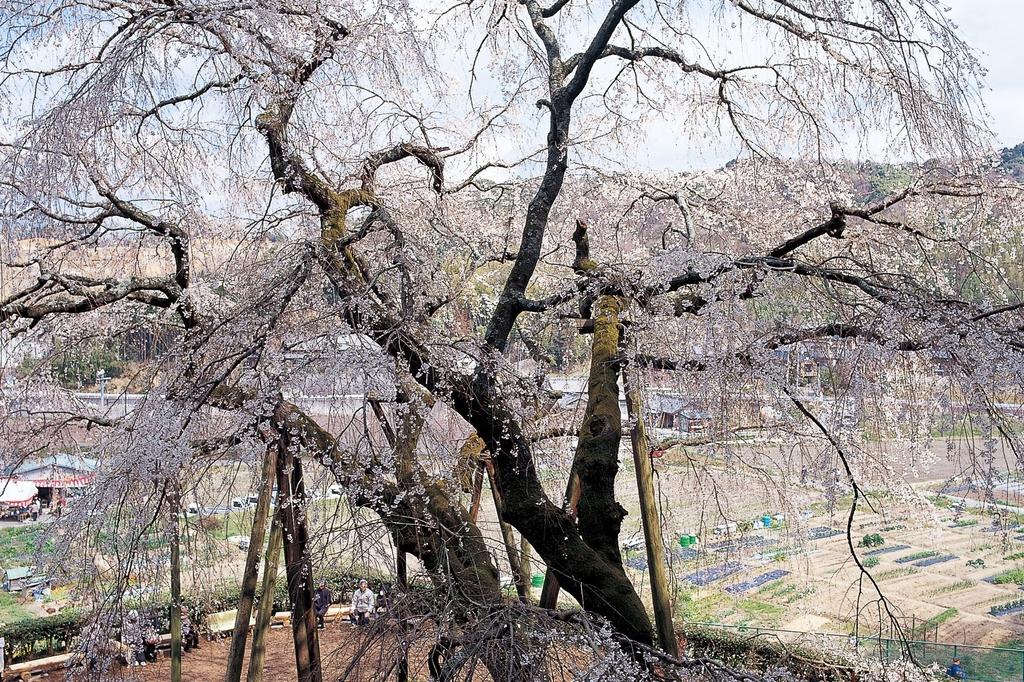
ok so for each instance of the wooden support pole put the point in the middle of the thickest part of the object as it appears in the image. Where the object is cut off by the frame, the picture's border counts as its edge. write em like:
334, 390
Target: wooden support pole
549, 593
240, 633
265, 612
478, 491
525, 563
402, 579
175, 506
660, 593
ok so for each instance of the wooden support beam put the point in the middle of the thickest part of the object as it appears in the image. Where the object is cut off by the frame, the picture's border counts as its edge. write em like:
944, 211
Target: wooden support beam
660, 592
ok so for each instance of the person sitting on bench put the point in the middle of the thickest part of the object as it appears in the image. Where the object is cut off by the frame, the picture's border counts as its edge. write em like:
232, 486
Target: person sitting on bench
131, 637
363, 602
321, 602
189, 634
150, 638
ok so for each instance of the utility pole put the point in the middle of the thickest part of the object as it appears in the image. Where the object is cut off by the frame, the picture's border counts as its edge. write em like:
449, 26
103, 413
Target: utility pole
102, 379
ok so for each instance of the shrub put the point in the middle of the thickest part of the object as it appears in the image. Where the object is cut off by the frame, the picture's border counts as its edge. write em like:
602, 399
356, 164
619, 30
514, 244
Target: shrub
22, 639
211, 523
1014, 576
872, 540
870, 562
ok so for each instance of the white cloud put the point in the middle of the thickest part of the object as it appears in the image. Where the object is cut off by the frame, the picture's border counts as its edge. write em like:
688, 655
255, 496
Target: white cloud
994, 28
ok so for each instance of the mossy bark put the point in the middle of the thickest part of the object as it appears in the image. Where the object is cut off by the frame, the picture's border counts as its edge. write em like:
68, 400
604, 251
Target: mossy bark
597, 450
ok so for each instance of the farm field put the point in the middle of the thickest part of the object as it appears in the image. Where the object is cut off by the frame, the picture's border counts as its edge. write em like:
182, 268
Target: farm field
922, 567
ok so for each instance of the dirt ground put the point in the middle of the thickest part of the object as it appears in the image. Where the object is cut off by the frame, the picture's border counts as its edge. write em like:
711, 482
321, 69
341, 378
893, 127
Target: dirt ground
339, 644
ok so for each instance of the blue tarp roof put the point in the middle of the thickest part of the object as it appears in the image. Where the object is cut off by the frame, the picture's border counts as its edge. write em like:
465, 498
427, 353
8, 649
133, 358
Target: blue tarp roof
17, 573
60, 460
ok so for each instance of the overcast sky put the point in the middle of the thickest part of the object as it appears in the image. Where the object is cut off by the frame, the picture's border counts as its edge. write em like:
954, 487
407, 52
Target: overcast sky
995, 28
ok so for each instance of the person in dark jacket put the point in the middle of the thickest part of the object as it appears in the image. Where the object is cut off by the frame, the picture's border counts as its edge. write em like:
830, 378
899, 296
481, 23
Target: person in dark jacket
956, 671
321, 602
189, 634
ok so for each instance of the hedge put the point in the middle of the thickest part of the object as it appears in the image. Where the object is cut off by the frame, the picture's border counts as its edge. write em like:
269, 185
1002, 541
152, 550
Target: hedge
34, 637
24, 639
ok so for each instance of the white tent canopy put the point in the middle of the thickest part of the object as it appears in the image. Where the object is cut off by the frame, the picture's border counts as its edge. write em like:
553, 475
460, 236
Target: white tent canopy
17, 492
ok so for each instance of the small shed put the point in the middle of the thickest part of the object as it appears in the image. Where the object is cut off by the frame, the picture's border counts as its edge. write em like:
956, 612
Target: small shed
670, 412
14, 578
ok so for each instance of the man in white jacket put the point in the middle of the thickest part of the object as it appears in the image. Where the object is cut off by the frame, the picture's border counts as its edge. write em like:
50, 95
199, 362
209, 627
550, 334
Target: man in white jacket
363, 602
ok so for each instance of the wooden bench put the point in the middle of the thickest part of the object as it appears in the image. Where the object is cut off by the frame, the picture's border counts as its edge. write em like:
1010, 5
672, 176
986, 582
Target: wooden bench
223, 622
40, 666
335, 613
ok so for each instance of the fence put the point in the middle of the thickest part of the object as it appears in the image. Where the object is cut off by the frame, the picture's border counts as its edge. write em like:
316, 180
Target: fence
981, 663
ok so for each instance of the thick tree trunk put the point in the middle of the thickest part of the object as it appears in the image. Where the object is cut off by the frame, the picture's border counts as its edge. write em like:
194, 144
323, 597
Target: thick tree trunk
585, 559
249, 577
597, 451
661, 593
297, 561
586, 573
427, 521
265, 613
175, 506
